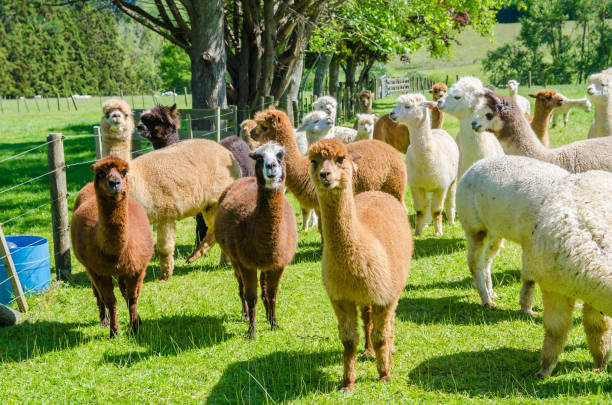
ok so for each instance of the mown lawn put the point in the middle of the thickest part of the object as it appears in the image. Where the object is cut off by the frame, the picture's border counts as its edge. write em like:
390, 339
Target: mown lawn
192, 346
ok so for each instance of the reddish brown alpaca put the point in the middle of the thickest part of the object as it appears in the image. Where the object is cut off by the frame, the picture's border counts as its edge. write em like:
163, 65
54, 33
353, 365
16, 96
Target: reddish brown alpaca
437, 91
256, 229
546, 100
111, 236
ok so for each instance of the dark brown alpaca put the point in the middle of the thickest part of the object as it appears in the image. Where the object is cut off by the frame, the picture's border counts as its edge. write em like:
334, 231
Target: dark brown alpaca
111, 236
160, 125
256, 229
546, 100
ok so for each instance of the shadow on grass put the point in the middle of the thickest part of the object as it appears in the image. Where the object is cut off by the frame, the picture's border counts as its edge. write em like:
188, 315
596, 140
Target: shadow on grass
170, 336
426, 247
30, 340
500, 278
278, 377
453, 310
501, 373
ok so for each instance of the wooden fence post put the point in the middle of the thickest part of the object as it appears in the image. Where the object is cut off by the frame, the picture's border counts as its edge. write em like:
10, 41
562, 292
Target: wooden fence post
296, 112
1, 106
59, 205
48, 105
11, 273
218, 124
121, 92
68, 103
189, 127
235, 118
98, 142
36, 102
26, 105
74, 102
143, 101
262, 103
530, 79
58, 102
133, 104
186, 103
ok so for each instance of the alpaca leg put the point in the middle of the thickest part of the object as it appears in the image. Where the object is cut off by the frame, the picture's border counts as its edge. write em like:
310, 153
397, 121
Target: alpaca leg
133, 286
557, 320
420, 201
597, 328
249, 278
346, 312
492, 247
475, 253
122, 288
263, 283
237, 274
382, 338
449, 203
565, 119
366, 317
437, 203
209, 241
101, 307
104, 285
165, 248
555, 117
201, 229
273, 280
526, 296
305, 217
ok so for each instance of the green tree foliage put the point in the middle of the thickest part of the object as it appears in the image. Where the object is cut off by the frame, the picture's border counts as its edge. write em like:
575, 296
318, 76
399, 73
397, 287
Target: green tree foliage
174, 67
549, 50
78, 48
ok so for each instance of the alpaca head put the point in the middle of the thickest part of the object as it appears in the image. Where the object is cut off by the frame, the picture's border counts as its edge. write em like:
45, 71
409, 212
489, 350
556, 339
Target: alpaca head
365, 124
110, 177
246, 128
331, 166
463, 97
513, 85
160, 125
317, 122
491, 113
599, 89
548, 99
411, 108
270, 165
117, 120
365, 100
438, 91
327, 104
273, 125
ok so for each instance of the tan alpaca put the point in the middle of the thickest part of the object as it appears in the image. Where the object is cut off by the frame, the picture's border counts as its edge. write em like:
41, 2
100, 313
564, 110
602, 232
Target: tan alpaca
117, 125
437, 92
546, 101
366, 255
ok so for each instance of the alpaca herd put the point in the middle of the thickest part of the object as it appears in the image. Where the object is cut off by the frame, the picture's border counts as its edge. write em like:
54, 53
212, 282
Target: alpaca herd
499, 172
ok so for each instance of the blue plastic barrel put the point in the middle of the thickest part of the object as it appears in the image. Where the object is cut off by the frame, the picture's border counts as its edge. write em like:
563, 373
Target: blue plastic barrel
31, 257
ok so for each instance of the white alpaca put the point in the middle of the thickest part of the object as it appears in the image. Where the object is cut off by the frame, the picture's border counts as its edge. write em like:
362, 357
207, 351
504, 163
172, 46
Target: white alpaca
599, 91
521, 101
316, 125
461, 102
498, 198
365, 126
569, 104
431, 161
327, 104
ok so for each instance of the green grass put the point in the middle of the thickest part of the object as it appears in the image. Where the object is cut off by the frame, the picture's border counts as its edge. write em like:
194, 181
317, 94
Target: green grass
192, 349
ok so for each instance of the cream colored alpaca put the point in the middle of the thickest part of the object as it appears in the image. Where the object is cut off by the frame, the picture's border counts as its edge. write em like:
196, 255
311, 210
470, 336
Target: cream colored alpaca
117, 125
366, 254
431, 161
521, 101
599, 91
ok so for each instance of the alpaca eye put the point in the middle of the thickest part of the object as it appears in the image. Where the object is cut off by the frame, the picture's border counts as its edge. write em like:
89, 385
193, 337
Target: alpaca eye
279, 156
314, 162
489, 116
340, 160
457, 97
123, 173
316, 122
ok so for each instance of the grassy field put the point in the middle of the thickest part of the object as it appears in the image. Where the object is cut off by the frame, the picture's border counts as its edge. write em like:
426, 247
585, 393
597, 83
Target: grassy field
192, 346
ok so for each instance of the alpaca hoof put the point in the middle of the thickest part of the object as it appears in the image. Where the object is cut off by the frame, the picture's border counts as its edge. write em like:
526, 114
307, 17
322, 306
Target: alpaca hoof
104, 322
274, 326
136, 325
369, 353
530, 312
439, 233
113, 333
542, 373
489, 304
493, 295
348, 388
385, 378
251, 333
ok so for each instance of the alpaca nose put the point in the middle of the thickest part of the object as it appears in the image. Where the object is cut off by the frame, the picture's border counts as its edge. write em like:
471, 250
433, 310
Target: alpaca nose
114, 185
393, 115
324, 175
475, 125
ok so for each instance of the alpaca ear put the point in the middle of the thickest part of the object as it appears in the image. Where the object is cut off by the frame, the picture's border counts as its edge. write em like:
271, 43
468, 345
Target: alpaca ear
253, 155
533, 95
93, 168
354, 155
173, 109
355, 167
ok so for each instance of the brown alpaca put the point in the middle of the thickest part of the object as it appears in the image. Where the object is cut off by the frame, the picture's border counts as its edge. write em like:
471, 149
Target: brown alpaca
382, 169
160, 125
111, 236
366, 255
500, 115
256, 229
546, 100
246, 127
437, 91
117, 125
392, 132
365, 101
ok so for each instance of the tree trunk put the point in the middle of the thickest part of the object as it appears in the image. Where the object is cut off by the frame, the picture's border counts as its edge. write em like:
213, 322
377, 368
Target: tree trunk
319, 79
334, 69
293, 89
349, 71
364, 76
243, 71
207, 55
269, 48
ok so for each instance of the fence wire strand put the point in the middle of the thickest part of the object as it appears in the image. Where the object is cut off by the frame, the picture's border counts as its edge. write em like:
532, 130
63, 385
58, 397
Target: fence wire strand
33, 210
25, 151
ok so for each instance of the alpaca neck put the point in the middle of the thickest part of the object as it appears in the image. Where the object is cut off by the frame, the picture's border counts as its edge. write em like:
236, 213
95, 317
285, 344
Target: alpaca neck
437, 118
298, 173
541, 117
517, 138
470, 140
121, 149
603, 119
339, 220
112, 224
420, 135
270, 210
